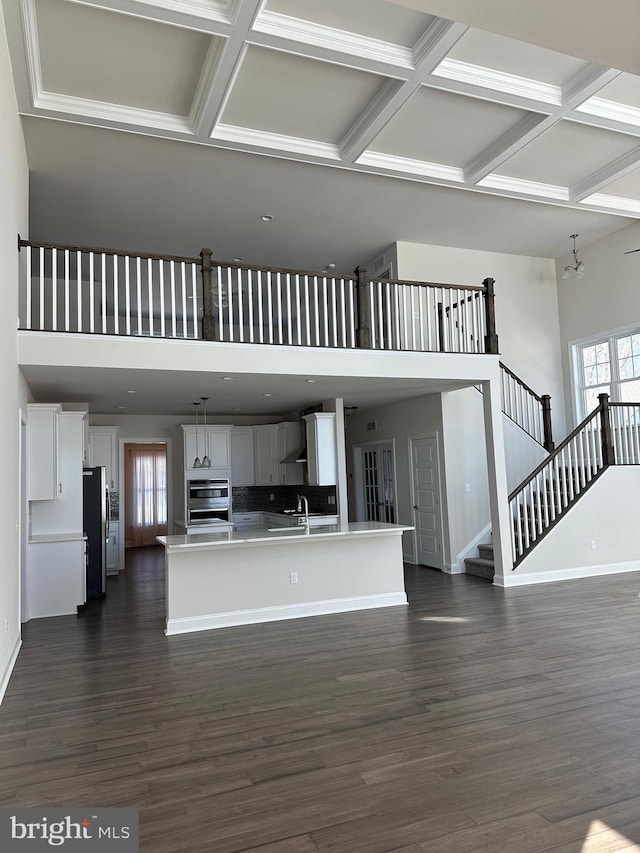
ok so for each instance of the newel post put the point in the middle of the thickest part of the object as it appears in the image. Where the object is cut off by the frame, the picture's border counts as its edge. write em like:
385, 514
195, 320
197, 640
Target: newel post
207, 296
548, 443
608, 452
363, 339
491, 338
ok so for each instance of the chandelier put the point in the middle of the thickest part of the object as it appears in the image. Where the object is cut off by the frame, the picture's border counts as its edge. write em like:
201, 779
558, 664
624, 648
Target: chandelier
576, 267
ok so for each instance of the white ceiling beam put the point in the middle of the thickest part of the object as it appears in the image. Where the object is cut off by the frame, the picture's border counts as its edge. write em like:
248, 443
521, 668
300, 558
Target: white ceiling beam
429, 51
577, 90
212, 18
219, 71
601, 178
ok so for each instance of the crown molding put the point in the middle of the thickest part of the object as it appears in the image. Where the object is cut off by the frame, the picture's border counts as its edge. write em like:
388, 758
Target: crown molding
277, 142
614, 203
585, 83
31, 46
407, 166
611, 110
522, 133
435, 42
206, 83
499, 81
306, 32
118, 114
609, 173
523, 188
212, 10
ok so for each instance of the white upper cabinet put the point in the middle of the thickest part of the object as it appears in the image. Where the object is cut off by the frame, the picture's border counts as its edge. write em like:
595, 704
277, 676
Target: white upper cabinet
103, 451
211, 441
289, 441
242, 456
322, 455
267, 460
42, 452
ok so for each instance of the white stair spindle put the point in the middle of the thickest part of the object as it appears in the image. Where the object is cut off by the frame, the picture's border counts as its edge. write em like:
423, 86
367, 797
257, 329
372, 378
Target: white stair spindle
54, 290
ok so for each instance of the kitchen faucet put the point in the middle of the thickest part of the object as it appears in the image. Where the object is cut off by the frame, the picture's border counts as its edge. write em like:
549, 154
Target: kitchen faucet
300, 499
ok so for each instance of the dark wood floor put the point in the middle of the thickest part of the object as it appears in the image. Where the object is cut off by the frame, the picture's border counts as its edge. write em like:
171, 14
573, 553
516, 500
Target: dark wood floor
473, 720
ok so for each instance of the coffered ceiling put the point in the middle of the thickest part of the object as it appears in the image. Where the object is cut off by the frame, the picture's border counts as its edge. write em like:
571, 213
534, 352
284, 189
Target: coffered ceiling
390, 98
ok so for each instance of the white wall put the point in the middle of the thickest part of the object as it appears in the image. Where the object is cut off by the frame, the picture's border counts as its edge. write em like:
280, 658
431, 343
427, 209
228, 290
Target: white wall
14, 195
395, 422
161, 426
607, 298
526, 308
606, 514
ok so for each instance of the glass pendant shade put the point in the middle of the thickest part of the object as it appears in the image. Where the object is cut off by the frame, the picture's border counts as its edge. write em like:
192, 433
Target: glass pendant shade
206, 462
197, 463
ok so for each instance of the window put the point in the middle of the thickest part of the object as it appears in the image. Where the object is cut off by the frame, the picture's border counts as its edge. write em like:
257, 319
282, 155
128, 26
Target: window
611, 366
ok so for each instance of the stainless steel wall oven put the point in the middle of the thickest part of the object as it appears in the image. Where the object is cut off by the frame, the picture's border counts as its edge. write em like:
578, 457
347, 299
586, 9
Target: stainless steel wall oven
208, 501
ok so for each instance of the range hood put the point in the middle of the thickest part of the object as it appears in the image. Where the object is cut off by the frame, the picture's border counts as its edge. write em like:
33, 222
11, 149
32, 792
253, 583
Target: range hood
299, 455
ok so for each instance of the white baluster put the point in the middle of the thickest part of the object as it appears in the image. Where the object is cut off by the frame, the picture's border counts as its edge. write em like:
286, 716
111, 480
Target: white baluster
163, 329
150, 305
54, 290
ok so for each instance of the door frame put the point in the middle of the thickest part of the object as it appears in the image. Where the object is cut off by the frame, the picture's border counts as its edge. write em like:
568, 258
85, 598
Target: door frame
441, 498
167, 441
358, 483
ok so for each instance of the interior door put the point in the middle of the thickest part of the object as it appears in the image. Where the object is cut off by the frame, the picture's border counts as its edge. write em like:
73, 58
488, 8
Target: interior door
426, 501
378, 478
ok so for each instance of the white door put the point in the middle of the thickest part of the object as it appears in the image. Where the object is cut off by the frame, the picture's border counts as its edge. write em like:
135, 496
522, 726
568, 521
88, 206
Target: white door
426, 501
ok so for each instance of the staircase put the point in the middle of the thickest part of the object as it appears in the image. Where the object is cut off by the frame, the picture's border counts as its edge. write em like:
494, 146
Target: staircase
481, 566
610, 435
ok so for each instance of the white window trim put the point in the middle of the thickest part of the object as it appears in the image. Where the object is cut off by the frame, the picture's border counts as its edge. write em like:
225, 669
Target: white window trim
575, 364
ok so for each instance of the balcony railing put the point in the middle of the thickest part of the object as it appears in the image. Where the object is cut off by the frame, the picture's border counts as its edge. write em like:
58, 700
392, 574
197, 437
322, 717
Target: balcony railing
107, 292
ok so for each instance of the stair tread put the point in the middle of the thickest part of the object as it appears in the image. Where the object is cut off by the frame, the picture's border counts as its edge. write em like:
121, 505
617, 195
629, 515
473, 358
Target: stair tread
480, 561
487, 546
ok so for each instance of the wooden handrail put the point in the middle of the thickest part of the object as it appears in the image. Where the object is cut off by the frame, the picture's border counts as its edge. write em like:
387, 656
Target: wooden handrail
102, 251
425, 284
555, 453
520, 382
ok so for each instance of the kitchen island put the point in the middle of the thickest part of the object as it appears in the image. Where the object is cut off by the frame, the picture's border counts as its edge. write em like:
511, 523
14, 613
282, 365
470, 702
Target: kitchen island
215, 580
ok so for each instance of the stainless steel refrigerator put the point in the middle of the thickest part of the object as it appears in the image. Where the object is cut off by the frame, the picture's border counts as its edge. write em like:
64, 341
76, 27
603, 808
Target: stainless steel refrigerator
94, 514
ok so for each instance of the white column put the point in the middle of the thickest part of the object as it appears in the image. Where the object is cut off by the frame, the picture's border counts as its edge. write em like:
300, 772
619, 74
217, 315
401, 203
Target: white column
337, 406
497, 480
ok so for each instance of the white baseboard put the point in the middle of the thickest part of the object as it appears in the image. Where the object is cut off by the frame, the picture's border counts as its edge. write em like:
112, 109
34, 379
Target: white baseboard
516, 579
287, 611
453, 568
7, 667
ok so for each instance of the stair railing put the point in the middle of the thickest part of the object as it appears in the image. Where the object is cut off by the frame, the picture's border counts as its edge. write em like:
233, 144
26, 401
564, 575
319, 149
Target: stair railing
546, 494
530, 411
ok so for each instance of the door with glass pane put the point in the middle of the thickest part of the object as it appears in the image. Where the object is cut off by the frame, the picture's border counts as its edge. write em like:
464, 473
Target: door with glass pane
378, 482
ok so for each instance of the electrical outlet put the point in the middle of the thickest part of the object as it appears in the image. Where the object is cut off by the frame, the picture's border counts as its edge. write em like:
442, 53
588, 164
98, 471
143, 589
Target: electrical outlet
6, 624
331, 499
293, 577
593, 545
272, 497
467, 487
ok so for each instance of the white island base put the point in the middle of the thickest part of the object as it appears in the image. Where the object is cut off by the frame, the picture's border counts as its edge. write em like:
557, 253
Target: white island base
246, 577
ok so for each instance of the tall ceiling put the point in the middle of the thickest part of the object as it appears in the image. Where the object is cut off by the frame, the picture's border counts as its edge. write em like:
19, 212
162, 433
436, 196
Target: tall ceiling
169, 125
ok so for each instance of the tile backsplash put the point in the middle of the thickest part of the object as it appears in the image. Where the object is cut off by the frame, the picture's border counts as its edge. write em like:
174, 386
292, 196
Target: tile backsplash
257, 498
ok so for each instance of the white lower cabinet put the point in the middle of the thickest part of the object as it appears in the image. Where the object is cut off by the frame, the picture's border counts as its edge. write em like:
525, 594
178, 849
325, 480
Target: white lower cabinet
113, 543
56, 576
248, 520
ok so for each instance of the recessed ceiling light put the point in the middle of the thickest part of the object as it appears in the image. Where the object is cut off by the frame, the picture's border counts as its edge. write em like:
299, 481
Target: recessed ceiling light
266, 217
267, 395
228, 378
238, 409
133, 392
238, 260
310, 380
330, 267
121, 407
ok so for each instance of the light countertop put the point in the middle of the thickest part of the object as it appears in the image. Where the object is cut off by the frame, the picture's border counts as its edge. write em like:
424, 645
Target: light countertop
57, 537
202, 541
